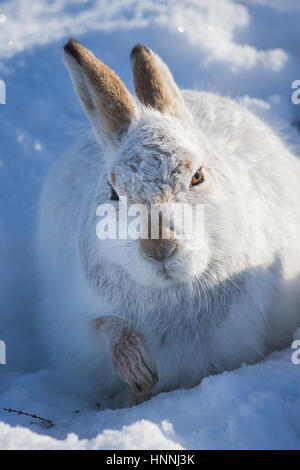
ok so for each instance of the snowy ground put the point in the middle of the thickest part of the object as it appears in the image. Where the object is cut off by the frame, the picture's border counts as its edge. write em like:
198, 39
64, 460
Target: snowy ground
246, 49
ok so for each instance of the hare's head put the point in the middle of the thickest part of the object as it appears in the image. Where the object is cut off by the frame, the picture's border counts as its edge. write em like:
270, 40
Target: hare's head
156, 158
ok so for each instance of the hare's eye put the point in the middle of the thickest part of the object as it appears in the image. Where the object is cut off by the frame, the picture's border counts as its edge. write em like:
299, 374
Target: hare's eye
198, 177
113, 195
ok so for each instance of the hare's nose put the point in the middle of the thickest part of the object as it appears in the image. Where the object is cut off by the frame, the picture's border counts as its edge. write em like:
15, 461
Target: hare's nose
160, 249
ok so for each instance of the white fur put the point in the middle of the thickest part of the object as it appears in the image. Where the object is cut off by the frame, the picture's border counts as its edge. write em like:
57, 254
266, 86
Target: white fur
234, 300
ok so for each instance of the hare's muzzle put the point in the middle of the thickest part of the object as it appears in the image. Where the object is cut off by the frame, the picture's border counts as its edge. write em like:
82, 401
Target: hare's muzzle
158, 249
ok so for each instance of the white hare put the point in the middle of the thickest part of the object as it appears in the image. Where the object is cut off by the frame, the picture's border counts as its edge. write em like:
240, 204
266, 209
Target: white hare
125, 319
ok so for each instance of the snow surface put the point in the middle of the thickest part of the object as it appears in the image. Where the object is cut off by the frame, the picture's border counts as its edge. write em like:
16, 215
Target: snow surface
245, 49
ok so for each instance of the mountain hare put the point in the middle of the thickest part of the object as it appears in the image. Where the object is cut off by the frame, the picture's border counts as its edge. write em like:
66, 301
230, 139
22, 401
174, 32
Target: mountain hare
127, 317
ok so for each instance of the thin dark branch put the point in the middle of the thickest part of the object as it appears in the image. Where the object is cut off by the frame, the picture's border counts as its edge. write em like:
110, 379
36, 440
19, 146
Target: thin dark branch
19, 412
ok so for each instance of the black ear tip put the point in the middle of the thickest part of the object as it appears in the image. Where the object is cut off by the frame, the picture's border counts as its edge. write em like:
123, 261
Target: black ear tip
72, 48
137, 50
70, 44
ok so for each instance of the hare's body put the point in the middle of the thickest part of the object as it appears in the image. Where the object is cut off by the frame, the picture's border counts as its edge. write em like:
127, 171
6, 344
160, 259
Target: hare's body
242, 303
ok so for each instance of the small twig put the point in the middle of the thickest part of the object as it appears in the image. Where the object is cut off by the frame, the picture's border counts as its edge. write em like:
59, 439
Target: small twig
19, 412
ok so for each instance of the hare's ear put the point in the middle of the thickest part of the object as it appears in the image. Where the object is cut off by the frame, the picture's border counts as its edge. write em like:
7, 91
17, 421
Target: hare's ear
105, 99
154, 84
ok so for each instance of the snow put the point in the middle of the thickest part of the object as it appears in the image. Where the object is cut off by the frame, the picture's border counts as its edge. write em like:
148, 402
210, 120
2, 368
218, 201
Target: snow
245, 49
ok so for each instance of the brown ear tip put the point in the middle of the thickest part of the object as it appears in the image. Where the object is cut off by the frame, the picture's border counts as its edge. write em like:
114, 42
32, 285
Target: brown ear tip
139, 49
72, 48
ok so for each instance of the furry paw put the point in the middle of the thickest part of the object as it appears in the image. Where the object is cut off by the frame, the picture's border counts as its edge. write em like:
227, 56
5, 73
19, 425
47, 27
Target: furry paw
133, 361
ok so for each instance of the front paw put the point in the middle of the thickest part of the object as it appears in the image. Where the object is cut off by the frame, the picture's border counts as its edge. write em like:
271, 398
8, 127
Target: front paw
133, 361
